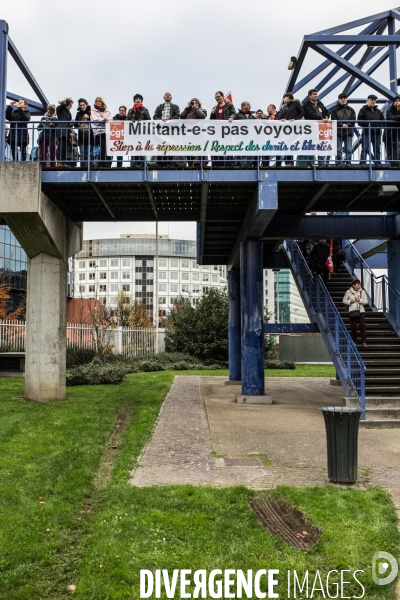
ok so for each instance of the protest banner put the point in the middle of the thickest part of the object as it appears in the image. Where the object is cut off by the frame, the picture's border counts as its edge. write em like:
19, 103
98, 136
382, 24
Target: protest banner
254, 137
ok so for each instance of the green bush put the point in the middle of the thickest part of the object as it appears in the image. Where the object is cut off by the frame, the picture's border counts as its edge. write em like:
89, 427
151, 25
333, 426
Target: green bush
174, 361
96, 373
77, 356
279, 364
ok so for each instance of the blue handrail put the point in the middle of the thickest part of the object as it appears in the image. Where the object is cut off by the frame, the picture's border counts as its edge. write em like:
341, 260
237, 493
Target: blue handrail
321, 309
382, 295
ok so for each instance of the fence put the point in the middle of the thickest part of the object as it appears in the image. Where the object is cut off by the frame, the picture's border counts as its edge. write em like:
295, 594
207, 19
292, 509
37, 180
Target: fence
123, 340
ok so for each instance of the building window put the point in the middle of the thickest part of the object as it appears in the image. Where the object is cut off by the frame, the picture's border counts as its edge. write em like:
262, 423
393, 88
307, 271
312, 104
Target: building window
196, 290
114, 262
103, 301
82, 264
174, 287
91, 276
92, 263
114, 275
113, 299
195, 301
114, 287
103, 288
173, 300
126, 287
162, 287
82, 289
162, 300
185, 276
91, 288
173, 275
126, 275
215, 267
194, 265
126, 262
185, 288
102, 262
205, 268
103, 275
162, 275
162, 262
81, 276
185, 264
195, 276
214, 278
205, 289
205, 277
173, 263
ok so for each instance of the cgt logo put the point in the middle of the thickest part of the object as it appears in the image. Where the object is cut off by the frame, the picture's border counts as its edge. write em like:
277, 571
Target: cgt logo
385, 564
325, 131
117, 130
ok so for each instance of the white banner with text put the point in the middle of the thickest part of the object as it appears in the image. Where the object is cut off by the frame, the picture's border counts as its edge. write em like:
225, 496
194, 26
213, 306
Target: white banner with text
197, 137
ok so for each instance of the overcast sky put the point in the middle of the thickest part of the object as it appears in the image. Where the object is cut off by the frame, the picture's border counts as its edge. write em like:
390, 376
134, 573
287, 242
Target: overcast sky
116, 49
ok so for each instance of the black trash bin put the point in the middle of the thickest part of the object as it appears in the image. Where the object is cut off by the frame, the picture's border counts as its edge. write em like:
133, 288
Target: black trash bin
341, 425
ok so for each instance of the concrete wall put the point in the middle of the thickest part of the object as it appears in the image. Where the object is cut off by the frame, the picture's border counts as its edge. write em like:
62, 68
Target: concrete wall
303, 348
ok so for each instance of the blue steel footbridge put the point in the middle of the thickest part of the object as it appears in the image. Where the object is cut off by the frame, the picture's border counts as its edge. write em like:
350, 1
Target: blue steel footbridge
245, 212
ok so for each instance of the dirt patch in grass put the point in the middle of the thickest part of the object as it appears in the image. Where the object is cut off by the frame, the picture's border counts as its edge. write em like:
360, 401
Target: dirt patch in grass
285, 521
104, 471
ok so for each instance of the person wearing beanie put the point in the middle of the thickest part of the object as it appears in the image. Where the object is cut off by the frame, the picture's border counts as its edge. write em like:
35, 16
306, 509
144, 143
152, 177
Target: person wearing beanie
367, 115
341, 113
138, 112
291, 110
392, 133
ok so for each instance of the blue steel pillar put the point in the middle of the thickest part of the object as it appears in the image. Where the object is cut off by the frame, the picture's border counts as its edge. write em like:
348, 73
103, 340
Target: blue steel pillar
234, 326
3, 85
252, 309
393, 263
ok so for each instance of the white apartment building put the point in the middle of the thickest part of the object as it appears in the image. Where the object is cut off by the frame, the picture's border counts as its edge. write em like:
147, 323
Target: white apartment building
105, 267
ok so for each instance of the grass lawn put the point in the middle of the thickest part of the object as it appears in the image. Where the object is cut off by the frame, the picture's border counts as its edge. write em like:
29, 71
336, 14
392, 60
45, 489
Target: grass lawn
62, 524
299, 371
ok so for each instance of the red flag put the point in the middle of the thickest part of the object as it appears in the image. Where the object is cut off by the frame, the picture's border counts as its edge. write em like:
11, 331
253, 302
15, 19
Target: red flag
329, 261
228, 98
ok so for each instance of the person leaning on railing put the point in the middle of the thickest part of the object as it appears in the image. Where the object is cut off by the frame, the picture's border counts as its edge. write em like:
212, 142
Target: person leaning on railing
345, 131
85, 135
63, 112
194, 110
18, 137
47, 139
314, 110
120, 116
392, 133
371, 135
355, 298
291, 110
100, 116
138, 112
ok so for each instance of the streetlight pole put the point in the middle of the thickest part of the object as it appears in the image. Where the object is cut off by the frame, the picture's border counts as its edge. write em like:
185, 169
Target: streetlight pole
155, 292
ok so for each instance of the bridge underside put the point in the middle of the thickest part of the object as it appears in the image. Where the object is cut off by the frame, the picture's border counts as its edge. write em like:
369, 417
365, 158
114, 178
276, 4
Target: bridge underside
220, 201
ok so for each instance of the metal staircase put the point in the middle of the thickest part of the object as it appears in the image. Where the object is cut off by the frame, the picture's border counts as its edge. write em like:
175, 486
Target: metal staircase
370, 376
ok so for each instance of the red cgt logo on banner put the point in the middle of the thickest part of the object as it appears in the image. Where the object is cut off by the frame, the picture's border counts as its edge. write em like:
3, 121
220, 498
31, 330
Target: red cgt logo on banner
117, 130
325, 131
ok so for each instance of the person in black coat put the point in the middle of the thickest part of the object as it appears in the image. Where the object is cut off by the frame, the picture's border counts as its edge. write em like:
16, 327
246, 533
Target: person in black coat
138, 112
245, 112
47, 140
291, 110
63, 111
165, 112
18, 138
85, 135
314, 110
341, 113
392, 133
194, 110
371, 135
318, 256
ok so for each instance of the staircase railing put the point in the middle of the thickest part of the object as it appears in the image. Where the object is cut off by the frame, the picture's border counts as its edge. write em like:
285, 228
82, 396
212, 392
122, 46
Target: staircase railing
382, 295
322, 310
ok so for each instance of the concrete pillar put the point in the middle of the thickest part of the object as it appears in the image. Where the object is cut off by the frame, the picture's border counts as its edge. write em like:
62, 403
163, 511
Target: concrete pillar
234, 327
48, 238
252, 309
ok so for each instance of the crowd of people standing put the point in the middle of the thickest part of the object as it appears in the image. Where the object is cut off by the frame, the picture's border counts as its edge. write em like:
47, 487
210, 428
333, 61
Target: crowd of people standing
61, 135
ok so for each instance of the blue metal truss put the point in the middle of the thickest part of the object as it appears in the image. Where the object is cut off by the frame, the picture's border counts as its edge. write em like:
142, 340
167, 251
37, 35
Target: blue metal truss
35, 107
379, 39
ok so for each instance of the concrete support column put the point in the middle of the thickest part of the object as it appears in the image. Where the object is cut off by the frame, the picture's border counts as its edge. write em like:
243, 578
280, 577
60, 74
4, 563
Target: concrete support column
252, 309
46, 341
48, 238
234, 326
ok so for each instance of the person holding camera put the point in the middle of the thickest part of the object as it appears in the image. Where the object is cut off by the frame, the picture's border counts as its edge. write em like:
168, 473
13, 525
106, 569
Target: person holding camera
194, 111
355, 298
18, 137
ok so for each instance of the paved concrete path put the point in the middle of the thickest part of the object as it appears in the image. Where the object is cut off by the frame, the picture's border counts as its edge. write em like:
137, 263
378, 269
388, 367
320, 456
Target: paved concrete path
290, 432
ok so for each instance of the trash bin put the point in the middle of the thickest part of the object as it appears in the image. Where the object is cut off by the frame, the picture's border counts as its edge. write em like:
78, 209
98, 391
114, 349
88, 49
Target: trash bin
341, 424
